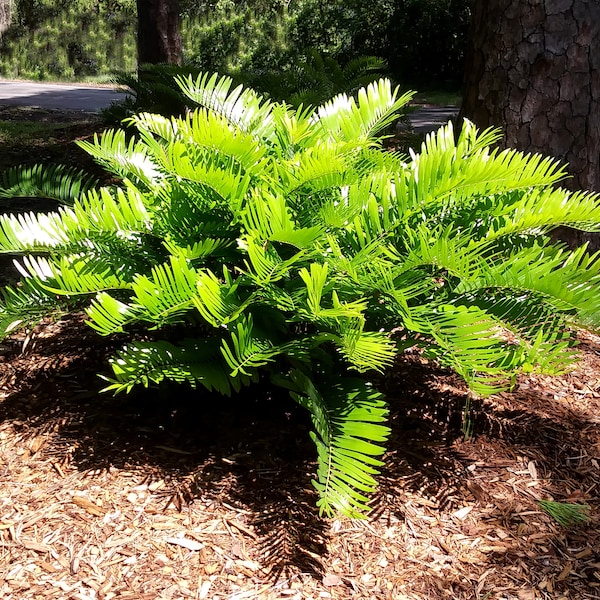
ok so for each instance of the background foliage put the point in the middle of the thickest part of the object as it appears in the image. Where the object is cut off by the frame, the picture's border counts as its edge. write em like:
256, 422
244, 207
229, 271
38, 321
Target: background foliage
78, 39
422, 40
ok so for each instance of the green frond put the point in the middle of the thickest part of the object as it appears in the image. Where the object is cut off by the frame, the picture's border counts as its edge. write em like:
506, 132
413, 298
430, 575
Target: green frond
542, 210
194, 362
168, 293
566, 514
228, 182
117, 210
366, 350
243, 108
54, 182
69, 275
30, 232
208, 132
109, 315
320, 167
130, 159
199, 250
120, 211
445, 251
469, 341
26, 305
378, 106
186, 213
265, 265
293, 130
267, 217
566, 281
248, 351
217, 301
315, 281
264, 213
446, 172
526, 320
349, 432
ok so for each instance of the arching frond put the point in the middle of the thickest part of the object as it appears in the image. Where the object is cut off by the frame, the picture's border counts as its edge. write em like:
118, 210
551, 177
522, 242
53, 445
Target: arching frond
109, 315
168, 293
130, 159
26, 305
199, 250
98, 211
247, 352
193, 362
54, 182
217, 301
209, 132
267, 216
70, 275
378, 106
243, 108
524, 214
366, 350
30, 231
565, 281
265, 266
469, 341
447, 172
348, 418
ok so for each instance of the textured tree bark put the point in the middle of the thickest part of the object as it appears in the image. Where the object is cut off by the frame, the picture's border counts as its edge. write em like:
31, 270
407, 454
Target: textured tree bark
159, 34
533, 69
6, 9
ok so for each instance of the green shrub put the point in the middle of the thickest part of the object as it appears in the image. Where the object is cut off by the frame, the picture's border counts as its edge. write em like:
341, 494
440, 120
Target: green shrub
152, 88
312, 78
308, 80
75, 40
290, 246
420, 40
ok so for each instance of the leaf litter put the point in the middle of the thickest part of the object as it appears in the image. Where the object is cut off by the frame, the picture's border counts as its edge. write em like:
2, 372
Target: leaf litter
95, 504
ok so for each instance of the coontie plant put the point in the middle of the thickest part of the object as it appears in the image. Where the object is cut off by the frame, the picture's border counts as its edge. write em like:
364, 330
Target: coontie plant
292, 246
309, 78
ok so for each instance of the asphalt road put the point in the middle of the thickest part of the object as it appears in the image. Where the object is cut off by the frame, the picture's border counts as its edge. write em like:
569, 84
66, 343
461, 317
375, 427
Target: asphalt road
94, 98
57, 96
430, 118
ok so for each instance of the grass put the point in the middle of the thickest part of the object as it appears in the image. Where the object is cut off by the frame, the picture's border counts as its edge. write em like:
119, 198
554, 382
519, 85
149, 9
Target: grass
439, 97
30, 135
23, 132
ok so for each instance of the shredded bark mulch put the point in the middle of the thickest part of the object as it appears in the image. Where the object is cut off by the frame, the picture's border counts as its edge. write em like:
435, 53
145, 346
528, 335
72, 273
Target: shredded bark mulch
168, 494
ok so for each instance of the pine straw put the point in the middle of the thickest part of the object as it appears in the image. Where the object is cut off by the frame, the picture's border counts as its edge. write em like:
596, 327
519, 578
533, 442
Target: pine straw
154, 496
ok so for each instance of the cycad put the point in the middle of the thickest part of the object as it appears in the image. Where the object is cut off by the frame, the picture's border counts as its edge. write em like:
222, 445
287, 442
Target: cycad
292, 245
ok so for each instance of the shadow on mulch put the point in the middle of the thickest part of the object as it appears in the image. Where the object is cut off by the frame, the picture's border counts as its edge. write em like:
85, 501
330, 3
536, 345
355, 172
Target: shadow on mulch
252, 451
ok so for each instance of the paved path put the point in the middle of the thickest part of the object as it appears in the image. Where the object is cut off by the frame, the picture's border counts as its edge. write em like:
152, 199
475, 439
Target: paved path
57, 96
92, 99
429, 118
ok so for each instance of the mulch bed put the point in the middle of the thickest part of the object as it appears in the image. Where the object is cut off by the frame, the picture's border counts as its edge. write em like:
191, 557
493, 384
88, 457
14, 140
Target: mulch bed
166, 494
59, 147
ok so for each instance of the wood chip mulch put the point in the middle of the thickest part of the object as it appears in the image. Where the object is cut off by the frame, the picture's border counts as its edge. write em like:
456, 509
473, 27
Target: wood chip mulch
166, 495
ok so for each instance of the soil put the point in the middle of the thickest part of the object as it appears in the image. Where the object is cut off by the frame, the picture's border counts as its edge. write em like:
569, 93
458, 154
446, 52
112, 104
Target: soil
59, 147
169, 494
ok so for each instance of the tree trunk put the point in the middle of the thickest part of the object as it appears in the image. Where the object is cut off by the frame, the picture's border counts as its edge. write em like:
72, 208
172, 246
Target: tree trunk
159, 34
6, 10
533, 69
